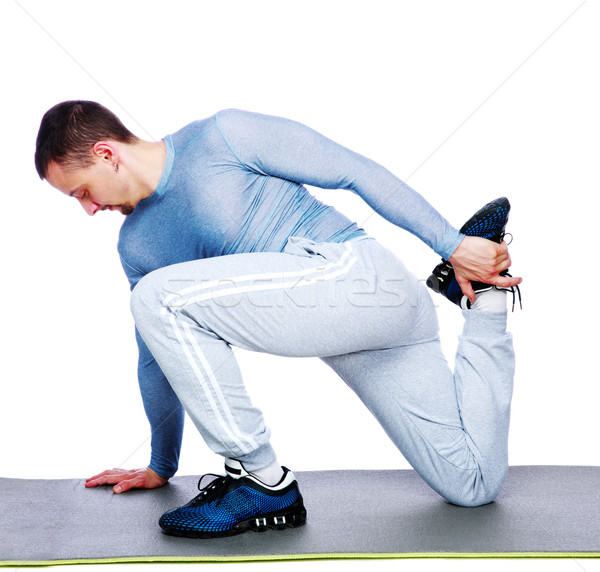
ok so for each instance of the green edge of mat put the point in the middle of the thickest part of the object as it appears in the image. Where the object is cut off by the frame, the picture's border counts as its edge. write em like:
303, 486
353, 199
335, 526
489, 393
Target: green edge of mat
294, 557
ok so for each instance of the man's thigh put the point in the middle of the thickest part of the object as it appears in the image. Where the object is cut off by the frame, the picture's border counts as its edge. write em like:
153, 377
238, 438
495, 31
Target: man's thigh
313, 299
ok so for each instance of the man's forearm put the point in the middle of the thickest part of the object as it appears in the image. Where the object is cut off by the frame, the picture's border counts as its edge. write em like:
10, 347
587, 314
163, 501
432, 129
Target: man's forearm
164, 412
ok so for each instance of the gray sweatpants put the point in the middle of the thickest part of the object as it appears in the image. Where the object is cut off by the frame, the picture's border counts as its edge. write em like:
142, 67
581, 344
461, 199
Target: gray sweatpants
356, 307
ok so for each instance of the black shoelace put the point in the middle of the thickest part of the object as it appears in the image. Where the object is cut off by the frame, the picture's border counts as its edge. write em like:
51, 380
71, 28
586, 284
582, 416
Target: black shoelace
213, 489
506, 273
516, 291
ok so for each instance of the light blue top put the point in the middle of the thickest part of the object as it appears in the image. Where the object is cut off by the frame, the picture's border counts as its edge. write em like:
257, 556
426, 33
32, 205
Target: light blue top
234, 183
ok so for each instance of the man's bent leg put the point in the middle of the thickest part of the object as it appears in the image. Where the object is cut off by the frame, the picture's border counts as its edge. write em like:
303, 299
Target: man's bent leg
203, 372
453, 429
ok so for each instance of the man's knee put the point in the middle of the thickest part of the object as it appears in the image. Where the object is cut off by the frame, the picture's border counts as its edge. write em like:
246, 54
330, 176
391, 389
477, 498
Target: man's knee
145, 298
471, 500
478, 489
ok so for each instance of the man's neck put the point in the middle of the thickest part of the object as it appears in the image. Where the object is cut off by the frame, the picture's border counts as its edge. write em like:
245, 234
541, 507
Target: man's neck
146, 162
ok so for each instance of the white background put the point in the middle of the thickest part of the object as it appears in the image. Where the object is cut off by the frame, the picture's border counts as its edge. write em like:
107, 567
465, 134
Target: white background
465, 100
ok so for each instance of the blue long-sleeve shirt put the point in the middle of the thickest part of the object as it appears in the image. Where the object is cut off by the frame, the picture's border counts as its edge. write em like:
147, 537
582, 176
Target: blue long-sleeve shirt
234, 183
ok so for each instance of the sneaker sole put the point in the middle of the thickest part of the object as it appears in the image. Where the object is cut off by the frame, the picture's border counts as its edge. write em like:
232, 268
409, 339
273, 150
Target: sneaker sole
279, 521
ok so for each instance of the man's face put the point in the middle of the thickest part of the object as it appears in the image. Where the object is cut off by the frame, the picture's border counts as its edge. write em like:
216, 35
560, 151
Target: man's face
97, 188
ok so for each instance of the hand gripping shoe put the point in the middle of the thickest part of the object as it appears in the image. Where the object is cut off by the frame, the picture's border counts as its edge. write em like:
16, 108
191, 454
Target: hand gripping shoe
237, 502
488, 222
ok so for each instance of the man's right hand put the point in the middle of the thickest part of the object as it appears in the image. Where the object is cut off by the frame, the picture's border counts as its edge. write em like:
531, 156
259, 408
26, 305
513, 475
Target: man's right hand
481, 260
125, 479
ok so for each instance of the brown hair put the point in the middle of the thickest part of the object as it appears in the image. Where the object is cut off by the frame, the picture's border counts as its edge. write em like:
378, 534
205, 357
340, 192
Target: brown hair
69, 130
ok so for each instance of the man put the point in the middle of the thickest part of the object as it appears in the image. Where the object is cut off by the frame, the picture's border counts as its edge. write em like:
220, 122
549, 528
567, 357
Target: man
224, 246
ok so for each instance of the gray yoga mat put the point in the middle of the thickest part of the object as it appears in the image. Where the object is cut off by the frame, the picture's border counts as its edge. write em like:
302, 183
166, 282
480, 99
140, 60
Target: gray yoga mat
542, 511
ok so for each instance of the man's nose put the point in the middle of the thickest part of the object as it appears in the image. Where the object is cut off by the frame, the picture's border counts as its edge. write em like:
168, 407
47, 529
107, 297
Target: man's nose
90, 207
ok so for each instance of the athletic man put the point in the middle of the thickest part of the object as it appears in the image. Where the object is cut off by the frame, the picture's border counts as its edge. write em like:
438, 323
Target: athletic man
224, 246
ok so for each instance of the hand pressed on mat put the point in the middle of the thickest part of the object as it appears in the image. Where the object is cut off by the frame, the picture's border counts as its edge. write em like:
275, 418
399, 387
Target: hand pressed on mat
125, 479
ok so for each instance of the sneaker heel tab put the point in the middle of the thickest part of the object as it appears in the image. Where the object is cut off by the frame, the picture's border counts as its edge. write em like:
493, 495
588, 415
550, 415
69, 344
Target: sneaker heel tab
235, 469
286, 471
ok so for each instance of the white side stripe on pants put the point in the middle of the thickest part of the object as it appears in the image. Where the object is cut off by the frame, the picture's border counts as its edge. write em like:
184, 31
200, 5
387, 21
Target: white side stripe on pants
290, 280
234, 432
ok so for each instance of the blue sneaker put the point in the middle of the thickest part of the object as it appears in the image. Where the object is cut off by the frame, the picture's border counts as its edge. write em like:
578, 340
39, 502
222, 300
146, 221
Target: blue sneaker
237, 502
488, 222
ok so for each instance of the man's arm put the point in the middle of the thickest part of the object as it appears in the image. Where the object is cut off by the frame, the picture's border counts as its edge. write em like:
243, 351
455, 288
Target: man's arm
289, 150
164, 412
292, 151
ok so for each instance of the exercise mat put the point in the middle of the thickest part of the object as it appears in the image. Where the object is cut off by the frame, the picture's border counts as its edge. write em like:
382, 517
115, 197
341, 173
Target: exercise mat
542, 511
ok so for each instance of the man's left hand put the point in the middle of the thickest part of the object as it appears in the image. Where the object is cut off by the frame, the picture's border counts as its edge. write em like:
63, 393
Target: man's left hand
125, 479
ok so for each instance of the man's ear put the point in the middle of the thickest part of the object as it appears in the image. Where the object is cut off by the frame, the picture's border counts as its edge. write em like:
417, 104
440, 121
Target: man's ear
107, 152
